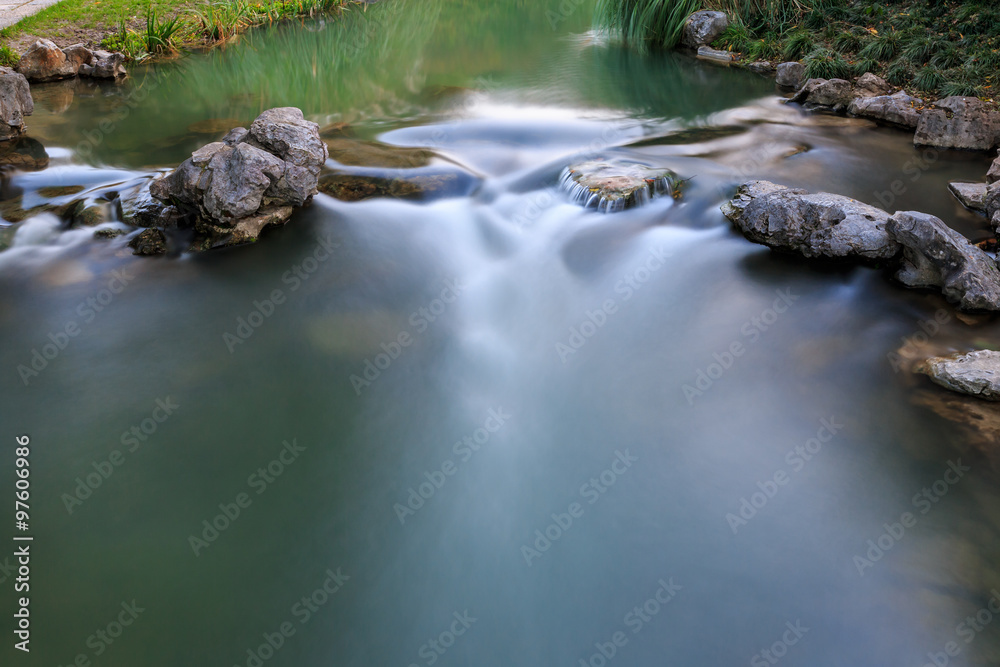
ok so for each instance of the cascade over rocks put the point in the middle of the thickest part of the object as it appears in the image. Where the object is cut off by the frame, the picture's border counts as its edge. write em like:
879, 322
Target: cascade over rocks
614, 185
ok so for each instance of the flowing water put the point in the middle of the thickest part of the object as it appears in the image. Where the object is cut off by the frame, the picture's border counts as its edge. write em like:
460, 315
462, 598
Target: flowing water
519, 431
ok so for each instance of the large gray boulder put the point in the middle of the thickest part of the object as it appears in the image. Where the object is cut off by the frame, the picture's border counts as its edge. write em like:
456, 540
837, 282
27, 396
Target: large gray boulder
834, 93
899, 109
934, 255
790, 75
15, 103
958, 122
233, 188
45, 61
813, 225
975, 373
703, 28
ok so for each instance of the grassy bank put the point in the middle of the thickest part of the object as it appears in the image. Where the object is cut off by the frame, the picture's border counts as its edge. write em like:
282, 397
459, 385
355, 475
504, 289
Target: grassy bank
931, 47
141, 28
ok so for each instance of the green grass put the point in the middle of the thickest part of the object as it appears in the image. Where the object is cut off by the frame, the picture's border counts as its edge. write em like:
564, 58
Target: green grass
140, 28
646, 23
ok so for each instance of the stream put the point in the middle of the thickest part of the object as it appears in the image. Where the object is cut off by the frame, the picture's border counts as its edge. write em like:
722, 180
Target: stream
495, 428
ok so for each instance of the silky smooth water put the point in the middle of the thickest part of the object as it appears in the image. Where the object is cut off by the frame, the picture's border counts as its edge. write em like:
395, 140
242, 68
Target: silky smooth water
518, 360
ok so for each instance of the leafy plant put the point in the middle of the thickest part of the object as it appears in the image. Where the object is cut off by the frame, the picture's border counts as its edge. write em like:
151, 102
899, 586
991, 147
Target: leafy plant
159, 35
798, 43
8, 56
929, 79
884, 47
823, 63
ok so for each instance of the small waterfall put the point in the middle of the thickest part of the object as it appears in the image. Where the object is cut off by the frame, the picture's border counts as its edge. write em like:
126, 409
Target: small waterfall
611, 186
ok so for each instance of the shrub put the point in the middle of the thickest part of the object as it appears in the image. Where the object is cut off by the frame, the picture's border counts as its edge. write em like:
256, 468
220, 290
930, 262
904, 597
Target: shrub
928, 79
884, 47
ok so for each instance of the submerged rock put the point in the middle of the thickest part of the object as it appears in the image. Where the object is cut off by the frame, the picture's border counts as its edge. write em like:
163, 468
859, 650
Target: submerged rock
972, 195
899, 109
357, 153
813, 225
934, 255
703, 28
614, 185
958, 122
149, 242
23, 153
15, 103
424, 184
790, 75
230, 189
975, 373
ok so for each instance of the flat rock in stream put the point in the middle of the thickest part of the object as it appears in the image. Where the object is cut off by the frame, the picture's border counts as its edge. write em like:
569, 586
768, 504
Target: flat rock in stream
812, 225
614, 185
936, 256
423, 184
834, 93
971, 195
975, 373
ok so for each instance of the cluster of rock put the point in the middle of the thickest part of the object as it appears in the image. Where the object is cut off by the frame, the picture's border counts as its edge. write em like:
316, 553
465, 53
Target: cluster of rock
924, 250
229, 190
45, 61
927, 253
15, 103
